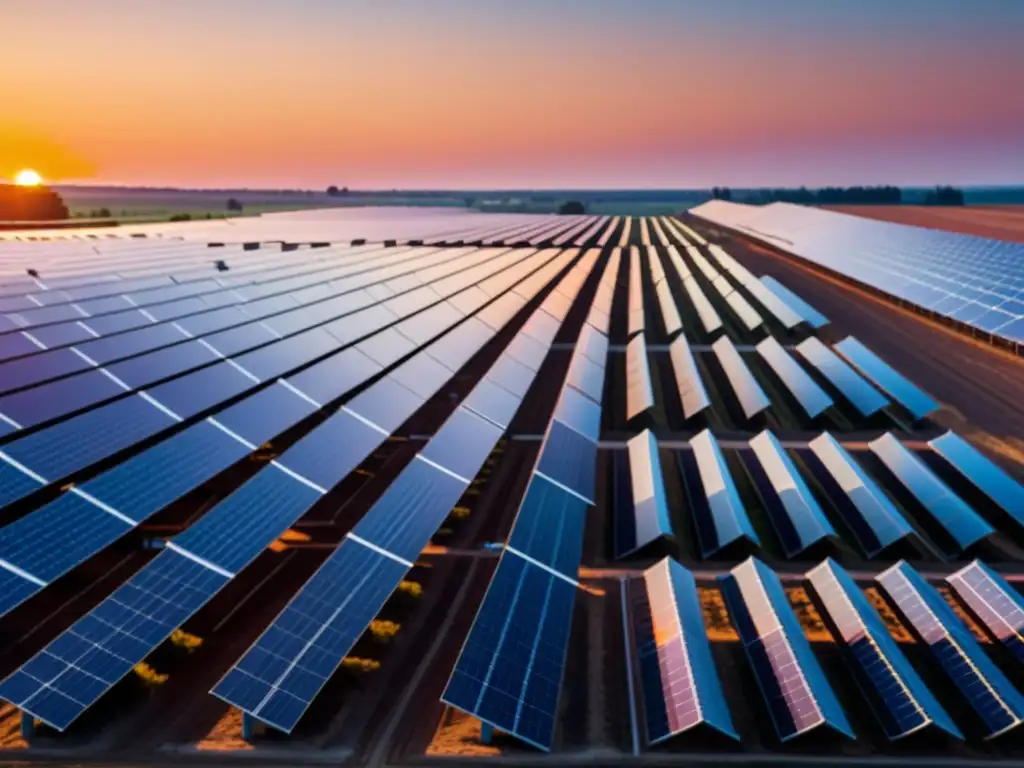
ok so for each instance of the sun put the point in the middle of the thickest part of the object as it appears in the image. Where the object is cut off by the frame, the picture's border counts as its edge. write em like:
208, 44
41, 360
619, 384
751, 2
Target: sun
28, 178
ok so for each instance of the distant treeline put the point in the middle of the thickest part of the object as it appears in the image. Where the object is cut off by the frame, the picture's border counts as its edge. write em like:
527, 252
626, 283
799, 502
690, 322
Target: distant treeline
885, 195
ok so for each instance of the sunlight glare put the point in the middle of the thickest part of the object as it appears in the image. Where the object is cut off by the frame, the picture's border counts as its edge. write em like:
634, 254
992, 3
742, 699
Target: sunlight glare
28, 178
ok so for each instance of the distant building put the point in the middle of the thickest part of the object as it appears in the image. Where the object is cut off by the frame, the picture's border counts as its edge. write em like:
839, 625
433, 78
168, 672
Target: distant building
30, 204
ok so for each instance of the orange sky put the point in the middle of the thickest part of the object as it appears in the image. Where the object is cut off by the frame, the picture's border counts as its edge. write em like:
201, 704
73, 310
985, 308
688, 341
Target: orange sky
443, 93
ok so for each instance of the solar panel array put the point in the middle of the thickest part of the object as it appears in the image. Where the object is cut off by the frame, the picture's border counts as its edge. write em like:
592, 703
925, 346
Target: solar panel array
133, 372
968, 280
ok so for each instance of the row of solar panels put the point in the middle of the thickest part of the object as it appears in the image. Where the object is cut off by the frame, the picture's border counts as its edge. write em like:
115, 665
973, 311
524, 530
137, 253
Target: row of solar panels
857, 376
509, 672
681, 689
784, 307
642, 514
972, 281
285, 669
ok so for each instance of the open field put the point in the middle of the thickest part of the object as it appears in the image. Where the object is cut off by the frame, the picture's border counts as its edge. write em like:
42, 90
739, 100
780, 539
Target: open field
1001, 222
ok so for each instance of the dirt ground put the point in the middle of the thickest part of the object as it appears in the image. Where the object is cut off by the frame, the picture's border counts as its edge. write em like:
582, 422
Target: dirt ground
1001, 222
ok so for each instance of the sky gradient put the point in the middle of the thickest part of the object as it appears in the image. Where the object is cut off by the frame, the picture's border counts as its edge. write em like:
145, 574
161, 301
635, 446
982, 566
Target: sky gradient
513, 93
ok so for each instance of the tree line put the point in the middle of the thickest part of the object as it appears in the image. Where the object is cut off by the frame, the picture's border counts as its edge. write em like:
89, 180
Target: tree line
881, 195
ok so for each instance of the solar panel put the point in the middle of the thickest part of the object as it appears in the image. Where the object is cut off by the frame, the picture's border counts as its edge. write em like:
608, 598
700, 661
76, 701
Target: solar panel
680, 685
645, 235
639, 392
74, 670
853, 387
798, 696
799, 520
782, 312
811, 397
871, 516
642, 518
956, 518
812, 316
708, 316
752, 398
692, 393
997, 704
1006, 492
669, 311
994, 601
888, 380
726, 519
898, 697
624, 237
636, 293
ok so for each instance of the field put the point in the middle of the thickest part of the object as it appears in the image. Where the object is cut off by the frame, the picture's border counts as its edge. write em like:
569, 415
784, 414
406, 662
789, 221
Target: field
151, 205
1001, 222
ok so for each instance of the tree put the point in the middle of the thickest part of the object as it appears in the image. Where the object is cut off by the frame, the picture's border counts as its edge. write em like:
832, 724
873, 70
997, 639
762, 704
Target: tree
332, 191
572, 208
945, 196
31, 204
234, 205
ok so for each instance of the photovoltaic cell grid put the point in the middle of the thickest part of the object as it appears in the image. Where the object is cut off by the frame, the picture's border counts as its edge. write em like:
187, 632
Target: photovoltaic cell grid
224, 541
127, 494
998, 606
509, 671
677, 672
277, 679
899, 698
971, 280
798, 696
997, 704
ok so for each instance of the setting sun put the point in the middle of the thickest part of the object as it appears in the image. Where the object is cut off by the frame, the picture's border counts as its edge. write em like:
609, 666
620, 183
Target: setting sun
28, 178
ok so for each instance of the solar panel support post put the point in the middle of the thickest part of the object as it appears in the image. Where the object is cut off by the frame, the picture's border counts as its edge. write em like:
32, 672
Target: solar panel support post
28, 727
251, 727
486, 733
